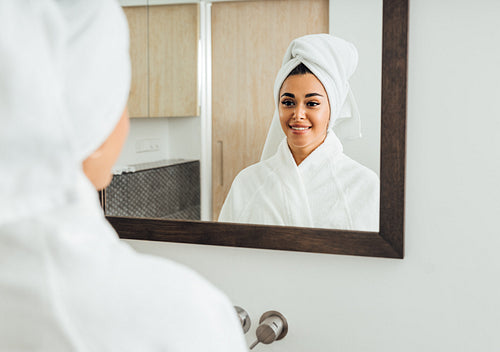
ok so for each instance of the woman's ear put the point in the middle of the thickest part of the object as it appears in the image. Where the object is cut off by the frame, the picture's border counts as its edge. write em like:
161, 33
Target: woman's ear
97, 166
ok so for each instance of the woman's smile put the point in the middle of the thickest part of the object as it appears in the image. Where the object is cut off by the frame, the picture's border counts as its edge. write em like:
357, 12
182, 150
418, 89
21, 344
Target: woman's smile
300, 129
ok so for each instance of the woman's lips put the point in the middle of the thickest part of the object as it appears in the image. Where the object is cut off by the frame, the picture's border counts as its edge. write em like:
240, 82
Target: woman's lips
299, 129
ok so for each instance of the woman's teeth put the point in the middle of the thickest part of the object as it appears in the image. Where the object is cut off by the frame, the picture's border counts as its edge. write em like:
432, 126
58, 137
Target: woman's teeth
299, 128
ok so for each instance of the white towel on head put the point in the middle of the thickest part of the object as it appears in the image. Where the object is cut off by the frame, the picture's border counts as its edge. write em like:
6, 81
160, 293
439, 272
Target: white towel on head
333, 61
56, 110
105, 64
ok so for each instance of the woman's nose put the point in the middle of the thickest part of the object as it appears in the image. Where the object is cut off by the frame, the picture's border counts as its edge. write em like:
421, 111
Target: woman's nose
300, 112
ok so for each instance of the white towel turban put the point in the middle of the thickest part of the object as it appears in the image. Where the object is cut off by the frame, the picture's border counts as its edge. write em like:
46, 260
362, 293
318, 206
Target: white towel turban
333, 61
64, 82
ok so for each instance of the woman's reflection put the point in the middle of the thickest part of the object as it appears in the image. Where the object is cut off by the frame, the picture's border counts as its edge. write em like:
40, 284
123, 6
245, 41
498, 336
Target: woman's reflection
304, 178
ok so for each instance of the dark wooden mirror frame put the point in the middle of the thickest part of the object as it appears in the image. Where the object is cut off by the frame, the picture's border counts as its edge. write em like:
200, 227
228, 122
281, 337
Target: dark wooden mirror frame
388, 242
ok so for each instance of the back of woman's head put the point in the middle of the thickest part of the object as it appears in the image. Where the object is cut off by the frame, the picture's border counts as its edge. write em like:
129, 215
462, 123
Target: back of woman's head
64, 82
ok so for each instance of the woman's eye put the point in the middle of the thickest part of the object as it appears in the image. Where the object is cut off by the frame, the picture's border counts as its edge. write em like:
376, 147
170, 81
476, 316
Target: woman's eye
313, 103
287, 102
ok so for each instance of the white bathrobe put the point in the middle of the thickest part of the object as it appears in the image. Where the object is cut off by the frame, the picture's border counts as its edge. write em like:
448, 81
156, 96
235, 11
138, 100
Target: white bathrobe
327, 190
67, 282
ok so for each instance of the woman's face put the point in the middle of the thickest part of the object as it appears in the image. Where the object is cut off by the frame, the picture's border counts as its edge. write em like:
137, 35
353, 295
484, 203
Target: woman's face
304, 113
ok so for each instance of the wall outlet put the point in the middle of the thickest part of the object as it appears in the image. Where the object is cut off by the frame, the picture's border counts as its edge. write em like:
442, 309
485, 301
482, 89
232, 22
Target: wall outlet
147, 145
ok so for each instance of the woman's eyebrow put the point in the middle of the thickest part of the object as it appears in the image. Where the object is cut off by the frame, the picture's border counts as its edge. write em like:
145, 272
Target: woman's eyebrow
313, 94
307, 95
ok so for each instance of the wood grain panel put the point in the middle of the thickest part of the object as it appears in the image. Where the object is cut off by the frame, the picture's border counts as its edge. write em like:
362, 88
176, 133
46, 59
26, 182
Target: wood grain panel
173, 60
249, 40
138, 26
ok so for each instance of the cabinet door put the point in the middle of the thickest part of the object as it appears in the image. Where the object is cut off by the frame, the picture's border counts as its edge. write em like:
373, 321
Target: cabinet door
138, 101
173, 60
249, 40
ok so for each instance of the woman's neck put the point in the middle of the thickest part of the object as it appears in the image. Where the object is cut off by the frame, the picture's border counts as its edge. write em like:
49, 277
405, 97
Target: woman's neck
301, 153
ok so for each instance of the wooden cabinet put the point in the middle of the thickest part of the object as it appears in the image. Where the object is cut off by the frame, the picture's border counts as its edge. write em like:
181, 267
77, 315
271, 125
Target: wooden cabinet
164, 52
249, 40
138, 27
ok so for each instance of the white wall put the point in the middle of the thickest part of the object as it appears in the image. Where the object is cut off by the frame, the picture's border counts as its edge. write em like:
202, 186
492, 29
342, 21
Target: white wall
445, 295
178, 137
360, 22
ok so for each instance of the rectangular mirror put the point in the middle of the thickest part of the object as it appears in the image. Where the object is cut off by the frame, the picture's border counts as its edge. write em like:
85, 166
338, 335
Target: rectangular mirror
387, 242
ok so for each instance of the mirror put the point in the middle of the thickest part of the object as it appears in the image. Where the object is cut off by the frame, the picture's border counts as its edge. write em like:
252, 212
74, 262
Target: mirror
388, 242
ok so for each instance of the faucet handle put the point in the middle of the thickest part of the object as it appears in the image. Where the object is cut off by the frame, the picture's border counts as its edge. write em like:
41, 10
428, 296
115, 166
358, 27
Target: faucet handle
244, 318
273, 326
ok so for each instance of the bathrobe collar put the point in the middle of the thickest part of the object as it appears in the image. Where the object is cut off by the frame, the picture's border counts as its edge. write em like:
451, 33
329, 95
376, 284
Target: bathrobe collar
295, 177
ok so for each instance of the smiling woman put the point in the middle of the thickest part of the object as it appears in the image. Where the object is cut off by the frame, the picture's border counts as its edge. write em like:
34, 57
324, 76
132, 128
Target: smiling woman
309, 181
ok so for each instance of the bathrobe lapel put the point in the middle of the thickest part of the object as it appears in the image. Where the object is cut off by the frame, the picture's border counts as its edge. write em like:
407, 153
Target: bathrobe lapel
296, 203
324, 189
